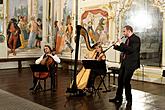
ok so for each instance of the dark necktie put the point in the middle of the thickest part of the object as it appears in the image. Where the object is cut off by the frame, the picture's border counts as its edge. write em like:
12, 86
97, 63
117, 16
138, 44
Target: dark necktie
127, 43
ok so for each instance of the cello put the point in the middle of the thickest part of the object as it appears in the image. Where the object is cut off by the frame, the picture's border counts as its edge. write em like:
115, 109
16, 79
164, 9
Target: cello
47, 61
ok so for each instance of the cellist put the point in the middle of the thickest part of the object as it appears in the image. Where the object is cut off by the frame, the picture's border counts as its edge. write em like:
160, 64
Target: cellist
51, 66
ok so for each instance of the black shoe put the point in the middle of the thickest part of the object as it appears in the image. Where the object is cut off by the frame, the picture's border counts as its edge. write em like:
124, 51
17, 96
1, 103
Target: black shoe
53, 90
129, 104
90, 90
32, 88
115, 100
117, 106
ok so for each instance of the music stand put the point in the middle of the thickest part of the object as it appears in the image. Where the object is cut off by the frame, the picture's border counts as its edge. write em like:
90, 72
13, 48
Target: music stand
94, 64
38, 68
100, 68
41, 69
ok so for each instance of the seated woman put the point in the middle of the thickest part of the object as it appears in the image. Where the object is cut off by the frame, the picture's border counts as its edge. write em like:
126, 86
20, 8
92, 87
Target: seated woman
51, 67
86, 76
98, 55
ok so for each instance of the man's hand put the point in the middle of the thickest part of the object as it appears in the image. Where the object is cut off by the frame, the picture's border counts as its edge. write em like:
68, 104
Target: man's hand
119, 40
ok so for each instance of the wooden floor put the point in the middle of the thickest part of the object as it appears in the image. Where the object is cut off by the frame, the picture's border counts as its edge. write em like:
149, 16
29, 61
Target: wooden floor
146, 96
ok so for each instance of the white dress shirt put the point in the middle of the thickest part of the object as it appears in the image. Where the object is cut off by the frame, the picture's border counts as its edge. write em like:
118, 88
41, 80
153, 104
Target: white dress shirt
55, 58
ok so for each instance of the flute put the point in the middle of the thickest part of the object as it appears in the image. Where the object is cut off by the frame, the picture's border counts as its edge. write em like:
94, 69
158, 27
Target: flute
112, 45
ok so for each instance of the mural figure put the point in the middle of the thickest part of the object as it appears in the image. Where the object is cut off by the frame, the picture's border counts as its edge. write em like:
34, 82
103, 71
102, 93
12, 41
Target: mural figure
63, 37
13, 36
24, 35
57, 37
100, 31
39, 33
91, 32
69, 29
69, 32
100, 26
33, 28
2, 38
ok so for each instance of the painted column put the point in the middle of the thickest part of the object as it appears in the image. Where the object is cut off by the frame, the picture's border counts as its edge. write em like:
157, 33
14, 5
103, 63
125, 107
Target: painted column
160, 4
3, 43
32, 8
35, 8
29, 9
51, 16
163, 43
44, 23
50, 22
5, 12
58, 11
47, 23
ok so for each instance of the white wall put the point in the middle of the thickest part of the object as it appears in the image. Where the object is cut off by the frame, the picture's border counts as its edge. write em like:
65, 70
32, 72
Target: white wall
3, 50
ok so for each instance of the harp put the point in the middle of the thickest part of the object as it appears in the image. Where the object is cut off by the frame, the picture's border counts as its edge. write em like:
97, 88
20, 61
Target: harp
80, 31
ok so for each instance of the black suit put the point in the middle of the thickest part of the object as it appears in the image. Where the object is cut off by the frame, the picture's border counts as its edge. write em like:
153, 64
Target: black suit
129, 64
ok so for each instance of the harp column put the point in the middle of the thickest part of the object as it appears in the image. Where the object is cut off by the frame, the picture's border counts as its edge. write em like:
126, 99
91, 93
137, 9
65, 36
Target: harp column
75, 18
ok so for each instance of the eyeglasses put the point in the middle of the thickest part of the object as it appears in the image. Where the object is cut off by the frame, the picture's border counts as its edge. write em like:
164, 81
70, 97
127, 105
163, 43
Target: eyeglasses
98, 47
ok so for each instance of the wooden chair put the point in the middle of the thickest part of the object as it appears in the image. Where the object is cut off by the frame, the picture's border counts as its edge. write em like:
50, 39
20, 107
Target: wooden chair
99, 69
101, 74
40, 76
41, 73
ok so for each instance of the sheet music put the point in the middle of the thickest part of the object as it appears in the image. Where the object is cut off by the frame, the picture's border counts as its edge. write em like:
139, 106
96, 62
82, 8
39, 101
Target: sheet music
94, 64
89, 59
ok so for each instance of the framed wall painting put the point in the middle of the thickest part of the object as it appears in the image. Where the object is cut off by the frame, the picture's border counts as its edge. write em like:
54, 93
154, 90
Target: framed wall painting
97, 25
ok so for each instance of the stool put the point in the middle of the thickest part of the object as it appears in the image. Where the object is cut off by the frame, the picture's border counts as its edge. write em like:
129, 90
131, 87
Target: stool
102, 78
163, 75
113, 70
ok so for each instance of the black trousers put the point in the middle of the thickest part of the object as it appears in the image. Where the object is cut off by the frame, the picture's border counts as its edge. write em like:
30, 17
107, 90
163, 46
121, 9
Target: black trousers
93, 74
52, 70
91, 79
124, 78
